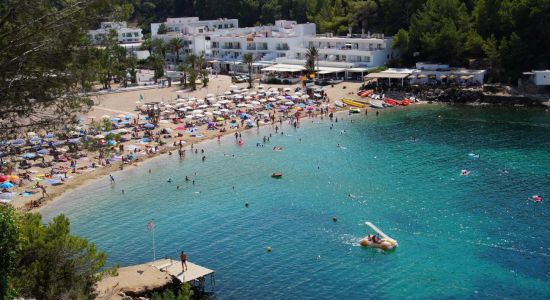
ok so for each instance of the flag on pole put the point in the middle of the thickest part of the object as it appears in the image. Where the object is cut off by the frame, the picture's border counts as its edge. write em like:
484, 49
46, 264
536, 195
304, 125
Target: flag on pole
150, 225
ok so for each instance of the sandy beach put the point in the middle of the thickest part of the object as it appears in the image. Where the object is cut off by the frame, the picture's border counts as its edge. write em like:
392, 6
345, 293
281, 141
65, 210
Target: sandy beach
127, 103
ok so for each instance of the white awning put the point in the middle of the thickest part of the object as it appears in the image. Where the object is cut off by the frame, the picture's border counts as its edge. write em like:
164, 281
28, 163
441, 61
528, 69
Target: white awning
284, 68
358, 70
387, 75
328, 70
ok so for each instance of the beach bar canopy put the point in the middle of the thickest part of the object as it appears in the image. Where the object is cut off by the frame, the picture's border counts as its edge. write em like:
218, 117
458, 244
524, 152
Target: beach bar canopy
389, 76
284, 68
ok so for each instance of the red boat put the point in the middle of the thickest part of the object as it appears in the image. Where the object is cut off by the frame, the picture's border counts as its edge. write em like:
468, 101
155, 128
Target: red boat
365, 93
277, 175
391, 101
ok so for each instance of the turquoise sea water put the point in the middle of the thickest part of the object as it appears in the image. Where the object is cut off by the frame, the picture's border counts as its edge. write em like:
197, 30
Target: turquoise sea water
475, 236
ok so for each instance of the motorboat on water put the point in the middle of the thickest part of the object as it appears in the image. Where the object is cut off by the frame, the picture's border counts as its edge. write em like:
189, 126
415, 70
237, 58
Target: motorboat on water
354, 110
536, 198
277, 175
377, 104
353, 103
384, 242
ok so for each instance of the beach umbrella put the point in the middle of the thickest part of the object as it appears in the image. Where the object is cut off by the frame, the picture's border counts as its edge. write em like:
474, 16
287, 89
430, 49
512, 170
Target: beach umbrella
164, 122
124, 123
113, 119
261, 87
111, 142
13, 177
197, 111
208, 113
271, 99
49, 136
18, 142
28, 155
192, 99
122, 131
189, 117
255, 102
305, 97
99, 136
262, 100
203, 106
199, 115
180, 128
209, 95
43, 152
6, 185
31, 134
289, 103
149, 126
3, 178
243, 116
224, 110
35, 140
227, 93
241, 105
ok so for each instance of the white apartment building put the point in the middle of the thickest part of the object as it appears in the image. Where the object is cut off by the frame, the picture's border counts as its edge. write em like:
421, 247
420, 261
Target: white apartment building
282, 45
125, 35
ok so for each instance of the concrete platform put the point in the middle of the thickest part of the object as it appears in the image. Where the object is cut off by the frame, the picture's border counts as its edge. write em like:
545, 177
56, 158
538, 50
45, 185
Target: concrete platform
174, 268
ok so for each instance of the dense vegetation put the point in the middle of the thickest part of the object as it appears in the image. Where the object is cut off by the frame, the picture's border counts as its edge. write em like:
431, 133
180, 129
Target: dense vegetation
45, 261
47, 62
506, 36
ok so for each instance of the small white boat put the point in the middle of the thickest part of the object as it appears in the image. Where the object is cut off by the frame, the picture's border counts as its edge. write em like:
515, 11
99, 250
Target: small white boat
339, 103
354, 110
377, 104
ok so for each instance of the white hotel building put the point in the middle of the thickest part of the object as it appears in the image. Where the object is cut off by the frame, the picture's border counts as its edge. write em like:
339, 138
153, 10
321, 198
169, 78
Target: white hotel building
125, 35
277, 48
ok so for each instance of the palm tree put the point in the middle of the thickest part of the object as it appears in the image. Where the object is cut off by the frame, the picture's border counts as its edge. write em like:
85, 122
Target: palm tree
160, 47
201, 69
248, 59
190, 62
176, 44
147, 44
184, 69
312, 59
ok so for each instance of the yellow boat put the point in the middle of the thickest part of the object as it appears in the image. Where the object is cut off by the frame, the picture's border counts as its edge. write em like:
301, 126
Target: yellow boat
352, 103
385, 242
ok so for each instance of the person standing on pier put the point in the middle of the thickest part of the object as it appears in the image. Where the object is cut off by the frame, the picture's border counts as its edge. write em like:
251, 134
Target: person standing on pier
183, 257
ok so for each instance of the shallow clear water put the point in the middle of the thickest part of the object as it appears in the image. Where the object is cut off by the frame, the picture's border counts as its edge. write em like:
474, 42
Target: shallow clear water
474, 236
